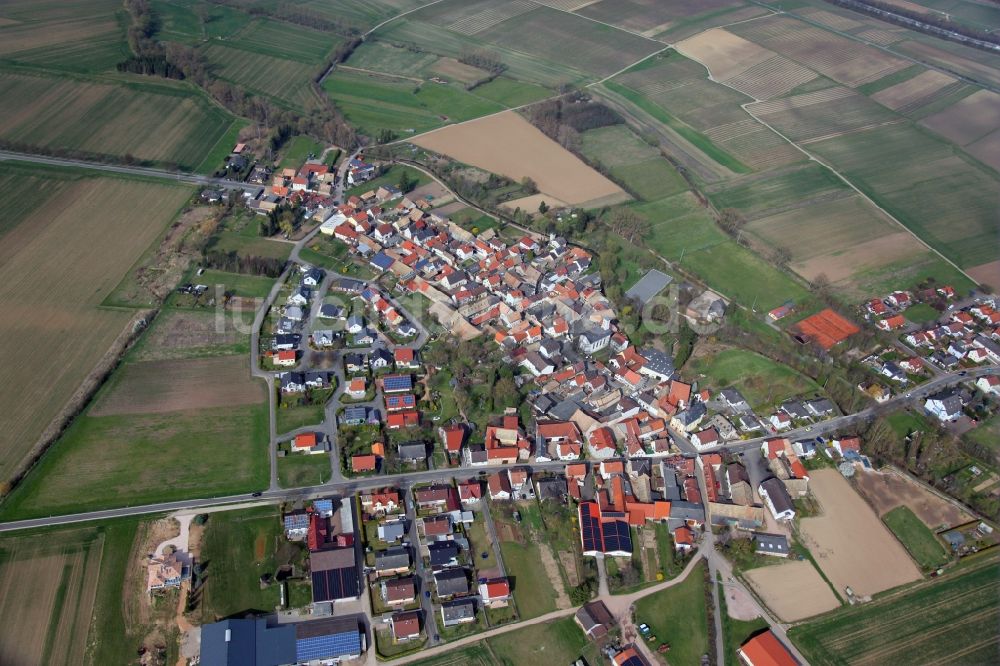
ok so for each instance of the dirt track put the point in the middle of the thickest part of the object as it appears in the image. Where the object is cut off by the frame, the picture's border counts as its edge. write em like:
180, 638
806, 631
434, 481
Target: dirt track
850, 543
507, 144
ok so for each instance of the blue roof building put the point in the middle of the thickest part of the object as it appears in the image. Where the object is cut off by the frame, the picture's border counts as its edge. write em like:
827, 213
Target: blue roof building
396, 383
382, 261
253, 643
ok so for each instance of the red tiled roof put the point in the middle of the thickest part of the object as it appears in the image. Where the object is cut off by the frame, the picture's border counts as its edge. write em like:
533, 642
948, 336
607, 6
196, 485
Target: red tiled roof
766, 650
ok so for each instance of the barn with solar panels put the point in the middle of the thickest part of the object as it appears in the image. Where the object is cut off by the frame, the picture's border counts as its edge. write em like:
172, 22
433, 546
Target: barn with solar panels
329, 639
604, 532
334, 575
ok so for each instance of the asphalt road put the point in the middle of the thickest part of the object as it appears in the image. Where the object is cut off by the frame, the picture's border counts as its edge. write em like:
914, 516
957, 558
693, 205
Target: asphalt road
148, 172
350, 486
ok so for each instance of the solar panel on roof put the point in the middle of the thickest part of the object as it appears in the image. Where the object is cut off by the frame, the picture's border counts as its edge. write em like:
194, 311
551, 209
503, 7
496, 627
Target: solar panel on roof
325, 647
633, 661
398, 382
335, 584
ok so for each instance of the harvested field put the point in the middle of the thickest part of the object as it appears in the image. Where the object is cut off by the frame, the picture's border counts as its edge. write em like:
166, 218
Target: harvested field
156, 387
63, 319
935, 52
508, 144
154, 121
912, 93
793, 591
987, 149
179, 334
652, 17
847, 522
47, 620
723, 53
968, 120
986, 273
887, 490
831, 55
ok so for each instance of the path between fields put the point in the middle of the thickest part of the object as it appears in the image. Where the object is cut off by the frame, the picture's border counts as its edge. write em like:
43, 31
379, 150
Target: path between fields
618, 605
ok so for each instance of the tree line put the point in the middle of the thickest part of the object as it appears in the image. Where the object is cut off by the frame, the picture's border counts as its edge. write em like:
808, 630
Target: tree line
932, 23
232, 262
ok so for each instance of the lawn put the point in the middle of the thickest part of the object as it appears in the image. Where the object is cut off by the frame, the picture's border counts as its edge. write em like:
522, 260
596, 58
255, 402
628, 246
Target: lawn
298, 416
921, 313
238, 284
918, 540
122, 460
246, 245
297, 151
392, 177
299, 469
763, 382
476, 534
987, 433
237, 548
635, 164
904, 422
679, 616
532, 590
907, 628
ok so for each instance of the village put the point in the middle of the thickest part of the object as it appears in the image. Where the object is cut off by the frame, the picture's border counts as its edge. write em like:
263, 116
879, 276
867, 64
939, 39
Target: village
606, 430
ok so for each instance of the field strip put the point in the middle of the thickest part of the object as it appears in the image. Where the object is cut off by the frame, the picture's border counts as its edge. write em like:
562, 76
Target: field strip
877, 656
801, 101
854, 187
954, 656
853, 130
845, 639
362, 70
493, 16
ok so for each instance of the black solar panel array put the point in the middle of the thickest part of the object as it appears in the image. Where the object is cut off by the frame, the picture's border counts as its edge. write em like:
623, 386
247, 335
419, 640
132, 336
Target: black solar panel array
590, 529
335, 584
634, 660
616, 536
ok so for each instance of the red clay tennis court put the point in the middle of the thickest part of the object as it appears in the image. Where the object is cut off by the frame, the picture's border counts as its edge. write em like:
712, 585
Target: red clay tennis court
826, 328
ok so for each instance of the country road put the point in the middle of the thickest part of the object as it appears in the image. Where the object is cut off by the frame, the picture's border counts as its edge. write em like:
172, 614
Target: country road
146, 172
347, 487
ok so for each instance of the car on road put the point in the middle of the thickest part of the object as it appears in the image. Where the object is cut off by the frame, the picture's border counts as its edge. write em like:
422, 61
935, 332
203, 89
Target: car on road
257, 494
427, 594
963, 373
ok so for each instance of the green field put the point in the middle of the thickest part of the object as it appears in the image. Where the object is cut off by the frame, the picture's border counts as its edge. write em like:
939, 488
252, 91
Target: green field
288, 41
632, 162
918, 540
681, 231
286, 82
392, 177
963, 606
678, 616
375, 102
987, 433
246, 244
928, 185
511, 93
122, 460
557, 642
763, 382
239, 547
179, 23
755, 194
300, 469
83, 36
162, 123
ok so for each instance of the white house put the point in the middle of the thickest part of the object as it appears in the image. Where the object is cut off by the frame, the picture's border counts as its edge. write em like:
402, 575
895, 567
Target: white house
989, 384
945, 406
776, 499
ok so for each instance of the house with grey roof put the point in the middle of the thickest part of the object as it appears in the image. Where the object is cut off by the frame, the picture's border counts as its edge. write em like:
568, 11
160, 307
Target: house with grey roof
460, 611
451, 582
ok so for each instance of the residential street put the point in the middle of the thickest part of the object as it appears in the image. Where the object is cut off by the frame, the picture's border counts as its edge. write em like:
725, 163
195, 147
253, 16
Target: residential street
347, 487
